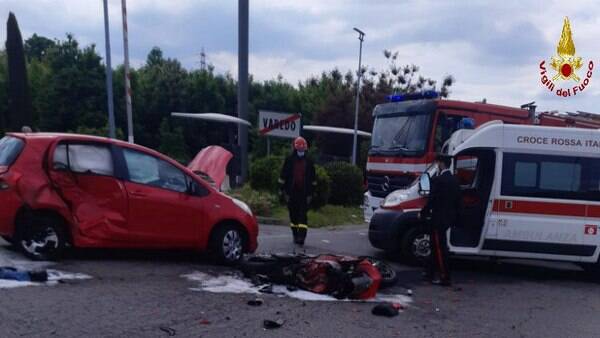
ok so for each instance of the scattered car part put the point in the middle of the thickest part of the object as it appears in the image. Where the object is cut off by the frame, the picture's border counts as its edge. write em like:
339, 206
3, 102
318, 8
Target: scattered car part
385, 310
273, 324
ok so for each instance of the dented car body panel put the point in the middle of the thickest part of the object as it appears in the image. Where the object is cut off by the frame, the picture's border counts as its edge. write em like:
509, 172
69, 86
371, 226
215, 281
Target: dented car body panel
115, 195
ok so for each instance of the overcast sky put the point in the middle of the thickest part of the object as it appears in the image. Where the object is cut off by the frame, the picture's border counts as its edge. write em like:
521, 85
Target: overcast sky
492, 48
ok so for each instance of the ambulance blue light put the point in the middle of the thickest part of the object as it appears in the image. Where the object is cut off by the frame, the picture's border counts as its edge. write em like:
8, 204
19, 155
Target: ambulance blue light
428, 94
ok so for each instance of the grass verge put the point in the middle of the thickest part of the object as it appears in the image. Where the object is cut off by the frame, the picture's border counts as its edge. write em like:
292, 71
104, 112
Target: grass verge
329, 215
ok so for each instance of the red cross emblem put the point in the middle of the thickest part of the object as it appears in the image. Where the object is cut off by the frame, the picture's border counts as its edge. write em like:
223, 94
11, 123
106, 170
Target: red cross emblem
591, 229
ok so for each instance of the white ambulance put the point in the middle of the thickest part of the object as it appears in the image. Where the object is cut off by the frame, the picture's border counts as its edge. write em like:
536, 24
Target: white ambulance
530, 192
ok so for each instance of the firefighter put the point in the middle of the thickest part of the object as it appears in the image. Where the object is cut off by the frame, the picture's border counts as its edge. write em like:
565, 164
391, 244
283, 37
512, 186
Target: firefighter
442, 209
297, 181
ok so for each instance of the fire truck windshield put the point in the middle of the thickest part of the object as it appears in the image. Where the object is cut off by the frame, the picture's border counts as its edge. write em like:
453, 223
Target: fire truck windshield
400, 134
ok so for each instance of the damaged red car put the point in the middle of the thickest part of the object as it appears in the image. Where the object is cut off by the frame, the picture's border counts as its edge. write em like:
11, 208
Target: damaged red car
66, 190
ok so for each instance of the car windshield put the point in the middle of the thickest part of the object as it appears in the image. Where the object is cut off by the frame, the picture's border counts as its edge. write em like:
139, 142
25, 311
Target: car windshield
10, 148
401, 133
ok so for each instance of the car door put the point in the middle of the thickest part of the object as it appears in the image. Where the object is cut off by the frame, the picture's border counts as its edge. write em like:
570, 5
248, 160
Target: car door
83, 173
163, 211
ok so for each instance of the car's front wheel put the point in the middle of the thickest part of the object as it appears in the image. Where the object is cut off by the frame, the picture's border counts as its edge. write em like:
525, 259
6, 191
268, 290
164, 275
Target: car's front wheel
42, 238
227, 244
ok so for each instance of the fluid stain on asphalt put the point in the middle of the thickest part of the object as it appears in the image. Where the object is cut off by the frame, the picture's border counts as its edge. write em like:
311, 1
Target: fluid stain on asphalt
233, 283
16, 260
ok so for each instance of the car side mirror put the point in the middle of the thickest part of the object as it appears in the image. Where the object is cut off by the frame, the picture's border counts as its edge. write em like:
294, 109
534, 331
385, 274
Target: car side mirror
195, 189
424, 184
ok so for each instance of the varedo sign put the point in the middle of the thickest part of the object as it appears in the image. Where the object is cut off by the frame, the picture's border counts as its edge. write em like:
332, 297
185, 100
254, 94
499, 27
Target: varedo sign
278, 124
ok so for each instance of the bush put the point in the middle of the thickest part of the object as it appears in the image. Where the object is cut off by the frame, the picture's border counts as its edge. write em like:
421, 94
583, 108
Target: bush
346, 183
261, 202
323, 188
264, 173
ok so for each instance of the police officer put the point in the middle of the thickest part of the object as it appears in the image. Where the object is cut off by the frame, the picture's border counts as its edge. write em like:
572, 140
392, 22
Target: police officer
442, 208
297, 181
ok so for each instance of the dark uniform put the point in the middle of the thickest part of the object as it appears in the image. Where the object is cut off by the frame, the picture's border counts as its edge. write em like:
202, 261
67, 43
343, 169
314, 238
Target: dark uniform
443, 207
298, 180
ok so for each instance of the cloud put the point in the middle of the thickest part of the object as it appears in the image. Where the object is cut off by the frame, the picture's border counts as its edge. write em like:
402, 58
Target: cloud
492, 48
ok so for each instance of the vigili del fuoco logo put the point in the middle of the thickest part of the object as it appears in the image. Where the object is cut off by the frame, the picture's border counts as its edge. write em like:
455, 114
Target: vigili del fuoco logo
566, 67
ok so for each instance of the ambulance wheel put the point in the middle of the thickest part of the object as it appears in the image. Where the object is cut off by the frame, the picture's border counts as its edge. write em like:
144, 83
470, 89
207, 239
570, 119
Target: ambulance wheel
416, 245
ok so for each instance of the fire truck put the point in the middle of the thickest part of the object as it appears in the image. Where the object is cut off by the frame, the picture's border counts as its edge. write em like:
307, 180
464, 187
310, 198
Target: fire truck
409, 130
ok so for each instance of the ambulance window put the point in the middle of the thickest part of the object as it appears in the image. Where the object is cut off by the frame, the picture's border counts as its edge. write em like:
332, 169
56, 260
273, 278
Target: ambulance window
466, 167
549, 176
525, 174
560, 176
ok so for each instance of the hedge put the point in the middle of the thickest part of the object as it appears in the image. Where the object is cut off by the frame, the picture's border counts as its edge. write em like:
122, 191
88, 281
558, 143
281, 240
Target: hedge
346, 183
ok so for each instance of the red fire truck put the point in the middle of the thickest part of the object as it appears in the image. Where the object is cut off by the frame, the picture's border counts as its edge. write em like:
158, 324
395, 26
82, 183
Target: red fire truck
409, 130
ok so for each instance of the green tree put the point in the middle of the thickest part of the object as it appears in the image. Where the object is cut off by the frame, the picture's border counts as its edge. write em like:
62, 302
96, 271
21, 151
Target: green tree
172, 142
75, 94
37, 46
19, 100
3, 90
161, 84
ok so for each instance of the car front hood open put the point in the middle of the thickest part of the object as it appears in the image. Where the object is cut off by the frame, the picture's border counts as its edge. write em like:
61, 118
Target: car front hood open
212, 161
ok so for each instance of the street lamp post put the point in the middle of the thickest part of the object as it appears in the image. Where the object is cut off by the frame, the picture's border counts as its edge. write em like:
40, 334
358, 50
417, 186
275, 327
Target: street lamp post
361, 37
127, 74
243, 86
109, 89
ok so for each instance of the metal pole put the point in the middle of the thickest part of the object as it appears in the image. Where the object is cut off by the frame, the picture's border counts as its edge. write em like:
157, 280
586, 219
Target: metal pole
361, 36
243, 86
127, 74
109, 89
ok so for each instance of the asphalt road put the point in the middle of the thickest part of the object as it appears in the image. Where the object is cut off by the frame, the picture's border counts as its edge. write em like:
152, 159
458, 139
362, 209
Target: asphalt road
141, 293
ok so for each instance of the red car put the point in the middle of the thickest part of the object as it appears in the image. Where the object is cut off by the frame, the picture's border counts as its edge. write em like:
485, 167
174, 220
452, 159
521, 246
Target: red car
60, 190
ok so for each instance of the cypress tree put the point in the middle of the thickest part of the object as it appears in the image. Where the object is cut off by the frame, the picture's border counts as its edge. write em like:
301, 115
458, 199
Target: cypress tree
19, 99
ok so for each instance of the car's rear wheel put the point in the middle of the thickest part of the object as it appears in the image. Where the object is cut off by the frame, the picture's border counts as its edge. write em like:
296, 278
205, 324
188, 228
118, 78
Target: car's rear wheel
416, 245
227, 244
41, 238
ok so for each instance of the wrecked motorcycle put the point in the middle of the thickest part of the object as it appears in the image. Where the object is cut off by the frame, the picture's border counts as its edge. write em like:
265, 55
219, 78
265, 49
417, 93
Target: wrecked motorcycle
339, 276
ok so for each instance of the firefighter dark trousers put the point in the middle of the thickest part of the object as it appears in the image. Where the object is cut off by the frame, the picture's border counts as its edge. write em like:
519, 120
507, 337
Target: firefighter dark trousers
297, 207
437, 263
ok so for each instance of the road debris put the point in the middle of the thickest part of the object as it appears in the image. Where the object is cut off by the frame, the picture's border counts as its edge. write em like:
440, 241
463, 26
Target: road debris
171, 332
236, 284
386, 309
273, 324
255, 302
17, 271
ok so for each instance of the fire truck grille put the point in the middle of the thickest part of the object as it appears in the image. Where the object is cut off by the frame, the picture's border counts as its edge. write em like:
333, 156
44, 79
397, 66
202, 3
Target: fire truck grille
381, 185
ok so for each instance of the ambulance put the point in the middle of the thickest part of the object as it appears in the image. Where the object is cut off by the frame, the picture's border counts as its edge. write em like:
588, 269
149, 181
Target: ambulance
534, 193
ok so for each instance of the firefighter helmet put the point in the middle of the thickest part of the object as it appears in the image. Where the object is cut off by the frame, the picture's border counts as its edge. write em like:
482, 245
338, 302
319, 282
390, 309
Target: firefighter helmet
300, 144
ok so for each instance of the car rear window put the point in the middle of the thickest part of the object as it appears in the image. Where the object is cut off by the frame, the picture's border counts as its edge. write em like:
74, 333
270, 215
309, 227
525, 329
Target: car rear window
10, 148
